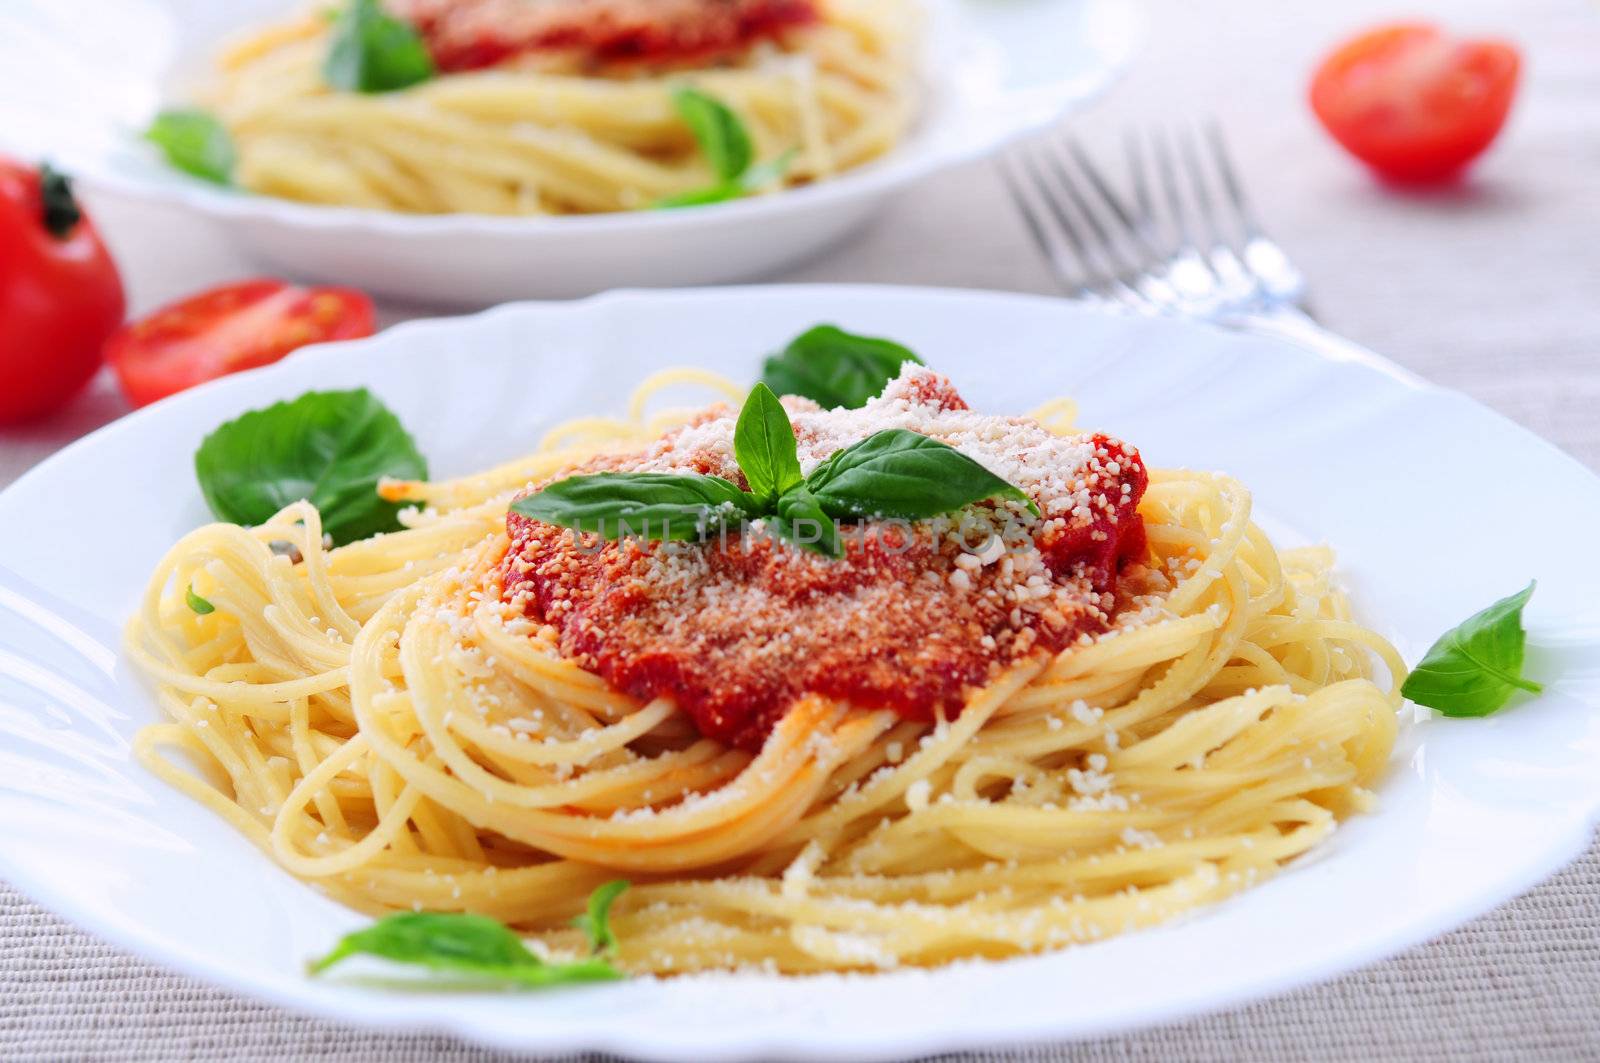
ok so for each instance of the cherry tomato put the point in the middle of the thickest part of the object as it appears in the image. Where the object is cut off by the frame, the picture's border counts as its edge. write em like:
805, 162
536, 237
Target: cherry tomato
238, 326
60, 296
1412, 103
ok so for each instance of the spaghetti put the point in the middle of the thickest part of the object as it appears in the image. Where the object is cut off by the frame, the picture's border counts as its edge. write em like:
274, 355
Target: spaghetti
546, 119
387, 723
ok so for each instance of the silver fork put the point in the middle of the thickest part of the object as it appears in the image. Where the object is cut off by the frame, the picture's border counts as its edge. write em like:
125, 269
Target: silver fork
1186, 242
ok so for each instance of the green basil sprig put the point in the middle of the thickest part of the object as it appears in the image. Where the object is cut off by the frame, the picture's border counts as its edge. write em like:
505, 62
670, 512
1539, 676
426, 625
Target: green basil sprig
1476, 666
330, 447
462, 943
664, 506
801, 519
595, 922
834, 368
196, 143
726, 144
896, 473
197, 605
722, 137
373, 51
890, 474
764, 445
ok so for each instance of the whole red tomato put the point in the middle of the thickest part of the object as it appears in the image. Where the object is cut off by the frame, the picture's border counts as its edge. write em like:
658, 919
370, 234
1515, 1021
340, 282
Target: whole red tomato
60, 296
1414, 103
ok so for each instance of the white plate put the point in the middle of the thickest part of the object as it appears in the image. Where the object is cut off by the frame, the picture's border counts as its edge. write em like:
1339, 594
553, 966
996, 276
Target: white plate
1437, 506
79, 79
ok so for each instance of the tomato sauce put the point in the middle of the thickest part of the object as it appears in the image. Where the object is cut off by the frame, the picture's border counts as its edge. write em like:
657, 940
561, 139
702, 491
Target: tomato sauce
736, 629
474, 34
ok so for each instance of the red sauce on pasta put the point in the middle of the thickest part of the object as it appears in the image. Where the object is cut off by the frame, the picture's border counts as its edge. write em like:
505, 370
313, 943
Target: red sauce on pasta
911, 619
473, 34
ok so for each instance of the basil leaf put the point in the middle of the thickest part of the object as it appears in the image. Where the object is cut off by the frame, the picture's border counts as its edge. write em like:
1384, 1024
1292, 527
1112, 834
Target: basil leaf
375, 52
764, 446
1474, 667
462, 943
595, 922
721, 135
753, 180
896, 473
195, 143
329, 447
651, 505
767, 173
701, 197
835, 368
198, 605
802, 521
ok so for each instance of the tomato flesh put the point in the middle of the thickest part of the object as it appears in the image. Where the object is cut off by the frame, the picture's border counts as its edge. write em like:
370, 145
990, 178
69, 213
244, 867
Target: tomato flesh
229, 329
1413, 103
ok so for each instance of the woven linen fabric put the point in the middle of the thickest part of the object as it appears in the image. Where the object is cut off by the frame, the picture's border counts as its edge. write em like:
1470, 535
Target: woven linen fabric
1490, 288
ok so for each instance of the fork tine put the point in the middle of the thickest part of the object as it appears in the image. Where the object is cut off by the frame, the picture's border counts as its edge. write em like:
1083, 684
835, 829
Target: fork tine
1113, 202
1140, 267
1231, 186
1133, 151
1168, 173
1038, 230
1182, 240
1277, 281
1099, 272
1202, 189
1103, 236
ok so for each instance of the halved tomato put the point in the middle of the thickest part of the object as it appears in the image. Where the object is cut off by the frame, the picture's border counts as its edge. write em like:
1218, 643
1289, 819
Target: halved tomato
1413, 103
238, 326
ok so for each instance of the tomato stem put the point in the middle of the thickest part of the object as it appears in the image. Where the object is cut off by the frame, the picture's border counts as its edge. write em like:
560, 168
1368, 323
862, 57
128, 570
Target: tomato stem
61, 211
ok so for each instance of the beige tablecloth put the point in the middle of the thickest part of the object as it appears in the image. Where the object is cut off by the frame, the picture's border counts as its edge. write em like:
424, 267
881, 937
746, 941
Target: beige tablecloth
1493, 288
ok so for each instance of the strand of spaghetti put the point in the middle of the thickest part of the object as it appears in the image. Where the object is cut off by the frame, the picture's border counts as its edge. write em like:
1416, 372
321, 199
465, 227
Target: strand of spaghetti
147, 748
384, 834
940, 745
762, 796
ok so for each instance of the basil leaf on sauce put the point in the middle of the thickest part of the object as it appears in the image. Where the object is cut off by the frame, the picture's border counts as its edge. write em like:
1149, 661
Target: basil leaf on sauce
764, 446
196, 143
653, 505
893, 474
372, 51
462, 943
1476, 666
802, 521
595, 922
722, 136
833, 367
900, 474
328, 447
197, 605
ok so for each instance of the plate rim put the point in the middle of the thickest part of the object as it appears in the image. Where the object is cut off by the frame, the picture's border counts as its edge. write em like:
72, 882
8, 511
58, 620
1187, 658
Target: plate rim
386, 1015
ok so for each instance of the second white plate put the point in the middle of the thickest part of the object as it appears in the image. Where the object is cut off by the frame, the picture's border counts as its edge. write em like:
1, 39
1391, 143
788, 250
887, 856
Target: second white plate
79, 80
